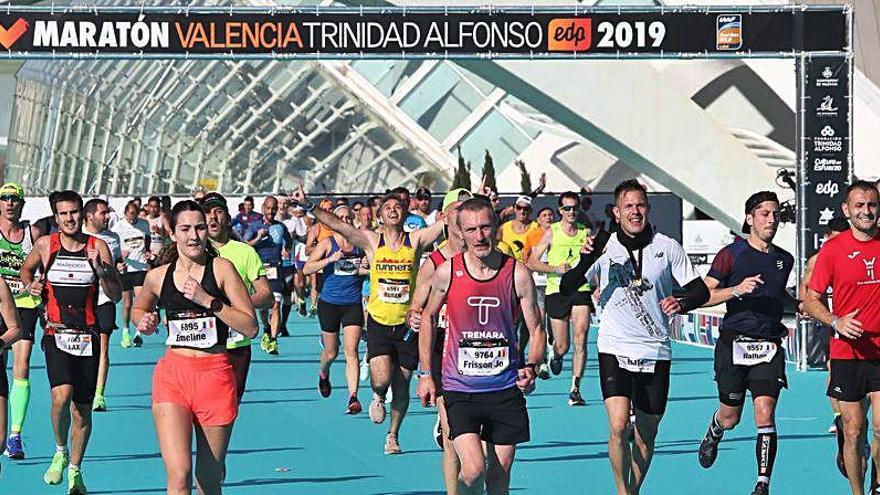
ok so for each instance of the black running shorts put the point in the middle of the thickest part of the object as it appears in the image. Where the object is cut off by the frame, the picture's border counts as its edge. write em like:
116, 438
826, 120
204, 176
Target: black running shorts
559, 307
498, 417
28, 317
106, 316
333, 316
648, 392
765, 379
853, 379
398, 341
81, 372
130, 280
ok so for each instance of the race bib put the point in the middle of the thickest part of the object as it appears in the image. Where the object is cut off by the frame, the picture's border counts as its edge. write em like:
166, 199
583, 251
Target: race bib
346, 267
393, 291
749, 352
74, 343
234, 337
637, 365
134, 244
15, 286
441, 317
271, 272
488, 357
200, 333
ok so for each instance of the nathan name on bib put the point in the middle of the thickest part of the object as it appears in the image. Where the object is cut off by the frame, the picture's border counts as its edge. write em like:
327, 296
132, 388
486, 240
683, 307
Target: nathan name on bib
192, 329
483, 356
749, 352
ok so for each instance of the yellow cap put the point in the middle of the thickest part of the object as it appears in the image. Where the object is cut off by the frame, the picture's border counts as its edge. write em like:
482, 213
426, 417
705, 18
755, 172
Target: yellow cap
12, 189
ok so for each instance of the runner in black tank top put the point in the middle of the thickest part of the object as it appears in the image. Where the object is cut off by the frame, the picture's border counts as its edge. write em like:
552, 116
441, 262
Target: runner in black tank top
194, 385
75, 267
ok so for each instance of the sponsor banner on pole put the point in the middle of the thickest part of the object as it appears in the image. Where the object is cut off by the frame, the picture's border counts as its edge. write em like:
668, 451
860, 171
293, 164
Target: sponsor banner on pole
826, 146
347, 33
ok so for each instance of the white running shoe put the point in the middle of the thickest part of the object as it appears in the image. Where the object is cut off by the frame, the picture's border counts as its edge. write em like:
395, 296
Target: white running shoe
377, 409
365, 369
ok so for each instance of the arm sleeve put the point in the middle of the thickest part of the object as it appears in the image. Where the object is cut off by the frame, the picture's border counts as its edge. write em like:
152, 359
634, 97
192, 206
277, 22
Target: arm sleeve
696, 294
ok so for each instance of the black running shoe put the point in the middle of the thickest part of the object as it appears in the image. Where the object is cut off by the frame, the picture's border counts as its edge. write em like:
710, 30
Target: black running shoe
137, 341
324, 386
575, 399
556, 364
302, 308
761, 488
708, 449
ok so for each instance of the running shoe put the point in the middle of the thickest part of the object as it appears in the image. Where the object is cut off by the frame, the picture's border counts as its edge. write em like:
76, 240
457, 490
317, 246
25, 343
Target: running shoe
761, 488
75, 485
264, 342
354, 405
99, 404
377, 409
365, 369
313, 310
324, 386
708, 449
302, 308
437, 432
392, 446
544, 371
55, 474
137, 341
556, 364
272, 347
126, 341
575, 399
14, 449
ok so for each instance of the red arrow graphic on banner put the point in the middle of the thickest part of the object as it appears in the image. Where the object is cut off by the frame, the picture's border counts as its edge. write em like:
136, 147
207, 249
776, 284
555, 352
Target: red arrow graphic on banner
8, 37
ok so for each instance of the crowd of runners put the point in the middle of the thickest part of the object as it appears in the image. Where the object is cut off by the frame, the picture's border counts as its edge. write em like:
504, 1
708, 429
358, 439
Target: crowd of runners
477, 301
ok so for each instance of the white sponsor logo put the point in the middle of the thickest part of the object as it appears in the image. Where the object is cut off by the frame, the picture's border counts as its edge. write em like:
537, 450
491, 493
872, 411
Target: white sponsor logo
827, 107
827, 165
779, 264
869, 267
827, 131
483, 303
825, 216
827, 141
827, 188
827, 80
853, 255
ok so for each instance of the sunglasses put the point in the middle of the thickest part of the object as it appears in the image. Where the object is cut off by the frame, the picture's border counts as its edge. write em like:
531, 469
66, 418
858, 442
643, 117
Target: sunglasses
568, 208
10, 197
522, 208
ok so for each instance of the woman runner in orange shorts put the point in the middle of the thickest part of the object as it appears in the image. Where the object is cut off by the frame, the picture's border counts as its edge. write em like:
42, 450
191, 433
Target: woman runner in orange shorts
193, 384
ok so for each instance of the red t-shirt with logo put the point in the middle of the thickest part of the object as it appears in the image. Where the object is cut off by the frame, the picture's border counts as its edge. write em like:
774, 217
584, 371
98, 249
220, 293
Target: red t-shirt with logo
849, 267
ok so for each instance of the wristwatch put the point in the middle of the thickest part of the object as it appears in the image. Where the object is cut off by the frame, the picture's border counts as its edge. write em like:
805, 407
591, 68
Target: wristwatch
422, 373
216, 305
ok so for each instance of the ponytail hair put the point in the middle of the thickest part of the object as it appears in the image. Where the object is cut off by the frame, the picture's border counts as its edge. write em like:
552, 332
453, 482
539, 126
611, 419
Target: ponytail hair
169, 253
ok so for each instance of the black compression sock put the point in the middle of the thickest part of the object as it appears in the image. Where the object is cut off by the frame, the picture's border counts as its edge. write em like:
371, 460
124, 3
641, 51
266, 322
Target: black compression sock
765, 451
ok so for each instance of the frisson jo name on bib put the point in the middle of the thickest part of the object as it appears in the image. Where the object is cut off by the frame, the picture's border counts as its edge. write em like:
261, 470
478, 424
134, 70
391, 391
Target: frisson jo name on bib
487, 357
193, 332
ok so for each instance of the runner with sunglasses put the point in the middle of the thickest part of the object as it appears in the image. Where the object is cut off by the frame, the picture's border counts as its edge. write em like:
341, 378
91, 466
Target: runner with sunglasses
563, 242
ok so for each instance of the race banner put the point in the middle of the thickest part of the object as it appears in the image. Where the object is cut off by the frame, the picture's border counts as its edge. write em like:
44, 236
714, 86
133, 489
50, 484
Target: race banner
826, 148
157, 32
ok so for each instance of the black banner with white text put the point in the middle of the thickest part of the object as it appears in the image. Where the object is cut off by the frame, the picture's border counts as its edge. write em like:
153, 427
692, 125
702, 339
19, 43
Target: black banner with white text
338, 33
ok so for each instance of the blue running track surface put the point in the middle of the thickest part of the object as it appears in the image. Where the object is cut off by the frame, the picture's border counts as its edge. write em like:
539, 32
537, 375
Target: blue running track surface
288, 440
